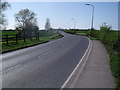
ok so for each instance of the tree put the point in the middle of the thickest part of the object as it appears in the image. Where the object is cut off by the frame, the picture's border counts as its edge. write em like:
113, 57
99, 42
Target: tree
3, 21
105, 31
105, 27
26, 19
36, 28
47, 24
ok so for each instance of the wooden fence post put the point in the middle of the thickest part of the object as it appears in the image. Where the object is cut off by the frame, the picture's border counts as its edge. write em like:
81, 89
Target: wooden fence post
7, 39
38, 36
24, 36
16, 38
31, 36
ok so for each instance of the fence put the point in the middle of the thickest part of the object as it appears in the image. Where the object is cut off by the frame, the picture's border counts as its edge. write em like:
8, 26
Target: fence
16, 37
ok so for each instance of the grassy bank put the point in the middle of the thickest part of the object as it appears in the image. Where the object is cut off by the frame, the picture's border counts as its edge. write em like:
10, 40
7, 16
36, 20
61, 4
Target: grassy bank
110, 40
114, 64
43, 39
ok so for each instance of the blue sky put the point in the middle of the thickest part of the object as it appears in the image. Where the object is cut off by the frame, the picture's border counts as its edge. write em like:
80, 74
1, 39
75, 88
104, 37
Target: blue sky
61, 13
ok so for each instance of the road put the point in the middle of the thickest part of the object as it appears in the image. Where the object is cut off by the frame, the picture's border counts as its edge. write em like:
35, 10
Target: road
43, 66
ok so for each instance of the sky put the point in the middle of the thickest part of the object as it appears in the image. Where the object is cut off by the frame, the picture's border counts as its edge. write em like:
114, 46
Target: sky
67, 14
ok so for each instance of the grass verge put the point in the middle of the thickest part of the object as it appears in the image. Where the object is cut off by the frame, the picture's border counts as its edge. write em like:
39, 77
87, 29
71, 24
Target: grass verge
114, 64
13, 46
92, 38
114, 56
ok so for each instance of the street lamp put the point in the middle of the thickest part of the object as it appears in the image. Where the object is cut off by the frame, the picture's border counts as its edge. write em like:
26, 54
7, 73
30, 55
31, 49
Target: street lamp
92, 14
74, 23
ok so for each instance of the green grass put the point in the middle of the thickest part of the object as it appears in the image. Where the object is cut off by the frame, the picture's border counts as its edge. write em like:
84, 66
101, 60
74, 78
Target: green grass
13, 46
93, 38
108, 39
5, 32
114, 64
76, 32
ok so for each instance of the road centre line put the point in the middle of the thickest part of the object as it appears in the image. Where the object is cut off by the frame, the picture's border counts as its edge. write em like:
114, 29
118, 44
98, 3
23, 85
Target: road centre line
10, 69
47, 52
52, 50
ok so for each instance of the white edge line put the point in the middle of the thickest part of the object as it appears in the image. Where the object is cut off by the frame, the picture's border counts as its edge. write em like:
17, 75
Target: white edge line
76, 66
83, 65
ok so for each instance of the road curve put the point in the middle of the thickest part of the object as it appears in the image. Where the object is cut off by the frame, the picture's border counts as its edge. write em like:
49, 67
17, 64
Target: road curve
43, 66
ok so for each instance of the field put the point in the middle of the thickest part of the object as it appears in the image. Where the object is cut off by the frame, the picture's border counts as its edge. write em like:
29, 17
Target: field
15, 44
9, 32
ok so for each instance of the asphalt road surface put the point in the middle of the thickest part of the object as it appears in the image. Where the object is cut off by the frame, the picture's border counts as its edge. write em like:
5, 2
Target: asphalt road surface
43, 66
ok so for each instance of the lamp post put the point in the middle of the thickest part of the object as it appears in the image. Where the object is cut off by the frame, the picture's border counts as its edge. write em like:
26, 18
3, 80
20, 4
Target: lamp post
92, 14
74, 23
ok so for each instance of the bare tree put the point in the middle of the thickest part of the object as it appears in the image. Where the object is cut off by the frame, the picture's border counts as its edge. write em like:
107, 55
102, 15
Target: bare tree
3, 21
47, 24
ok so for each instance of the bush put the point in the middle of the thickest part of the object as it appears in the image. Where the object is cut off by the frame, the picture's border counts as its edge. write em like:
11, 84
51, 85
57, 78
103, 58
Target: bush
106, 35
71, 31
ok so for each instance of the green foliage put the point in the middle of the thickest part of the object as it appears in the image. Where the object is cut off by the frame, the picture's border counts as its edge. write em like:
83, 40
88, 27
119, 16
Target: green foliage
93, 38
26, 20
106, 35
45, 36
47, 32
105, 27
71, 31
78, 32
110, 39
3, 21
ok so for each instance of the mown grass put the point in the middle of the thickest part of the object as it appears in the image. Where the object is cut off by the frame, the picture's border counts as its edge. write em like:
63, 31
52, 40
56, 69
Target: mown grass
7, 32
93, 38
13, 46
3, 33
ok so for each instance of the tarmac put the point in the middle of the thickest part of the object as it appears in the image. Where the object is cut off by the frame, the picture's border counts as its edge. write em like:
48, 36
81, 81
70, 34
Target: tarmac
94, 71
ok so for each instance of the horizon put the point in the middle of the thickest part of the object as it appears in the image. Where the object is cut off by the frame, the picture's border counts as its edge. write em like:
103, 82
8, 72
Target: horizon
61, 14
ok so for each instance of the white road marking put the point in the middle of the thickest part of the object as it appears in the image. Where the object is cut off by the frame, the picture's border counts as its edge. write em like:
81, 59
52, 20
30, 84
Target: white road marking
52, 50
10, 69
83, 65
65, 83
47, 52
